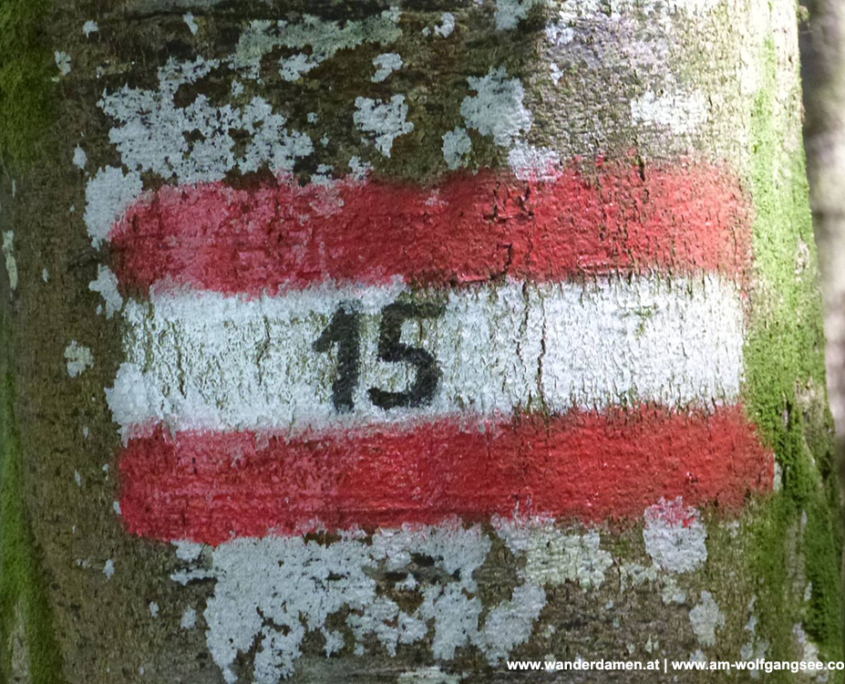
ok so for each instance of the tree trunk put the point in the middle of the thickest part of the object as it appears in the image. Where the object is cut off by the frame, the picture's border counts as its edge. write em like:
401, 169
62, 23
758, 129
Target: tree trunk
370, 343
823, 67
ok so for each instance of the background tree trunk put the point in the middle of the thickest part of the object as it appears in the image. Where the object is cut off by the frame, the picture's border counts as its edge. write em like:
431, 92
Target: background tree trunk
359, 342
823, 69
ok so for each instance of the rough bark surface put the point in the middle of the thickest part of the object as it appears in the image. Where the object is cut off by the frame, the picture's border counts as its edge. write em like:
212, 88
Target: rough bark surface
561, 395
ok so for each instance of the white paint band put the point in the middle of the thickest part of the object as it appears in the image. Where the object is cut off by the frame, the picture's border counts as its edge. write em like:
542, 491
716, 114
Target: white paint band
202, 360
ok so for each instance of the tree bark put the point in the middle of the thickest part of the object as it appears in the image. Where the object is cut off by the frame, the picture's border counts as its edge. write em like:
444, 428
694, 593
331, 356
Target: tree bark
351, 342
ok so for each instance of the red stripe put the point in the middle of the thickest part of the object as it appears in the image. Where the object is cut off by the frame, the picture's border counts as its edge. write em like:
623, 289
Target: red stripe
210, 486
476, 227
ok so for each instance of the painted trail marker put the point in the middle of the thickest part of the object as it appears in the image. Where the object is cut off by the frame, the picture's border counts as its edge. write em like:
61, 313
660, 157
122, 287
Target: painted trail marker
372, 354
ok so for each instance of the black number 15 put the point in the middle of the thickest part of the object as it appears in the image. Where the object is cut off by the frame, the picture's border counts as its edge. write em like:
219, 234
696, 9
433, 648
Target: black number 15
344, 331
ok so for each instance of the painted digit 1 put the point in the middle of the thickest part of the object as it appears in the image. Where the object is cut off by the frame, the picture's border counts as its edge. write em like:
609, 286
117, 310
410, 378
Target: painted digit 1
344, 331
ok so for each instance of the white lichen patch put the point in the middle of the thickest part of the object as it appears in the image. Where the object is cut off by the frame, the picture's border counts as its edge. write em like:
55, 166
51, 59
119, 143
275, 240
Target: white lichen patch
428, 675
689, 7
271, 592
292, 68
189, 619
106, 285
554, 557
674, 536
78, 358
359, 170
80, 159
385, 65
681, 113
635, 574
62, 62
497, 109
756, 648
803, 258
184, 576
194, 143
569, 13
447, 25
456, 146
90, 27
321, 38
809, 653
9, 257
383, 121
777, 478
187, 550
534, 163
108, 194
561, 31
18, 646
510, 623
706, 619
191, 23
334, 639
510, 12
672, 593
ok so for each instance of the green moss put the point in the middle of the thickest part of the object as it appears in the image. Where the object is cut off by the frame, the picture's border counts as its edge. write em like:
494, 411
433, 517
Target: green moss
26, 65
785, 351
21, 582
26, 113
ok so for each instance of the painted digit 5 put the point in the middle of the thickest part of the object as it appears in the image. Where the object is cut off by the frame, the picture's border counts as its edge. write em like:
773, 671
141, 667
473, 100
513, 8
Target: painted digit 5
344, 331
391, 350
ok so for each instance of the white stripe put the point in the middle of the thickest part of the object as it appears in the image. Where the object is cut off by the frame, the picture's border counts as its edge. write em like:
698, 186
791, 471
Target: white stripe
201, 360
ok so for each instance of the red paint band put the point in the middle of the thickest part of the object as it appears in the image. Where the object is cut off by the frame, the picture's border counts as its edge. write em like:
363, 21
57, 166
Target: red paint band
469, 228
209, 487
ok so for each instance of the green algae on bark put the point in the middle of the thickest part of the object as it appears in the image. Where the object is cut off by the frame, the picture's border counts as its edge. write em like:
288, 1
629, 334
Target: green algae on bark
26, 66
25, 614
785, 376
